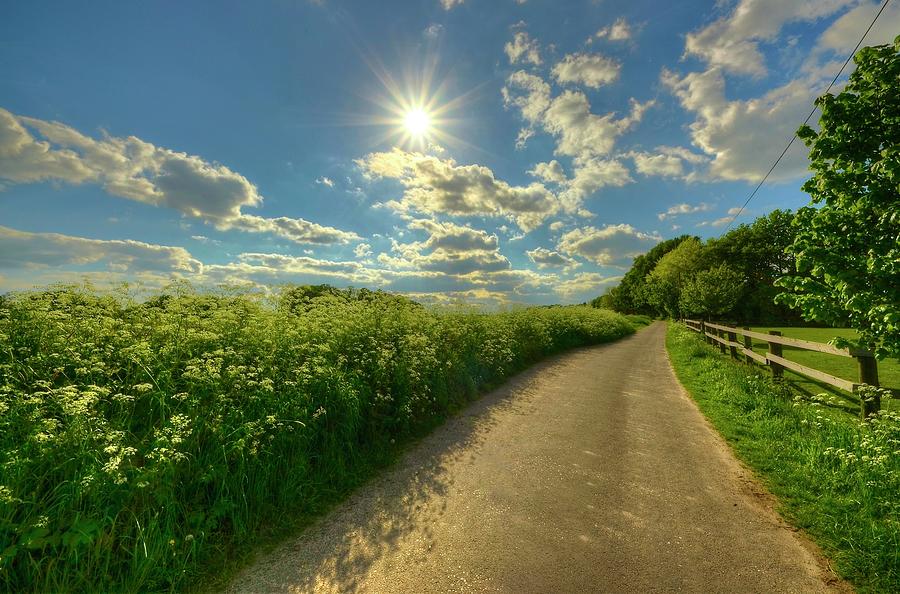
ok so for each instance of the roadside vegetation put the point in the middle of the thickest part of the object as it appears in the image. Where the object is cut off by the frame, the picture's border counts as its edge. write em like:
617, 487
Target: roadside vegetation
835, 476
142, 443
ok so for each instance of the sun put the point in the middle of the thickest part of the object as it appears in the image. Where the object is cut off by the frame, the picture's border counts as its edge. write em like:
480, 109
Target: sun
417, 122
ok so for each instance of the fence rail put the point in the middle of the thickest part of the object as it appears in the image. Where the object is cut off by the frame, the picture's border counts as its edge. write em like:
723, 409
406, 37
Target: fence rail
726, 338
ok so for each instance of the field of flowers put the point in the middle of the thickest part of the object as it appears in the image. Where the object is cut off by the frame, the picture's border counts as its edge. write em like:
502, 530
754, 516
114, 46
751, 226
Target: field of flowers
139, 440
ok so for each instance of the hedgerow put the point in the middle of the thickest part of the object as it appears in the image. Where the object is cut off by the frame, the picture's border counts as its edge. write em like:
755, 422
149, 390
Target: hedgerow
139, 441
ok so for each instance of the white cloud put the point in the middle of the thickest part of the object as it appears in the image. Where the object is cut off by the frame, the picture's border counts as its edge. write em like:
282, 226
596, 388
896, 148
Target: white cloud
732, 42
22, 249
523, 48
136, 170
434, 185
669, 161
325, 181
433, 31
589, 176
585, 283
618, 31
732, 213
362, 250
592, 70
544, 258
615, 245
450, 248
842, 35
683, 208
532, 103
581, 133
449, 4
556, 225
551, 172
739, 135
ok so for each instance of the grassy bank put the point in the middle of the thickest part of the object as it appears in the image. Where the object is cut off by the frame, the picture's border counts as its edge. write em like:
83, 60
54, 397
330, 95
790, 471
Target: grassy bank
834, 476
142, 443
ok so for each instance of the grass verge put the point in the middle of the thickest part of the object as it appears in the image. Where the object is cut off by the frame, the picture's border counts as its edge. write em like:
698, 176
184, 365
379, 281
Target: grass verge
834, 476
843, 367
146, 445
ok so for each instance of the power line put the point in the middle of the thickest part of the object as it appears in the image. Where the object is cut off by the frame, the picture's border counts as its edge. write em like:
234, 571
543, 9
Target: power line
806, 121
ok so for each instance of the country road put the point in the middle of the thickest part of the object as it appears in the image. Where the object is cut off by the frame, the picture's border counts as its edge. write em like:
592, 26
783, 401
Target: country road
590, 472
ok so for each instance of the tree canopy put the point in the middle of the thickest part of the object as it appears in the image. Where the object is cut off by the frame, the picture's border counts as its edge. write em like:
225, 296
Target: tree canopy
847, 242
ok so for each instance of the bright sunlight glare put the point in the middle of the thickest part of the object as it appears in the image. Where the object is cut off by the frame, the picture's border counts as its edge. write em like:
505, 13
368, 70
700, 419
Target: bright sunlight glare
417, 122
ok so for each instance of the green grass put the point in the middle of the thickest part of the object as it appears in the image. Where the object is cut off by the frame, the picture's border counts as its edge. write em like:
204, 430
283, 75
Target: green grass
834, 476
149, 446
842, 367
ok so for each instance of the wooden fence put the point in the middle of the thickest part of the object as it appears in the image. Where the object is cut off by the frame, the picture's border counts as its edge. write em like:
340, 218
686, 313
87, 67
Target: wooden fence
726, 338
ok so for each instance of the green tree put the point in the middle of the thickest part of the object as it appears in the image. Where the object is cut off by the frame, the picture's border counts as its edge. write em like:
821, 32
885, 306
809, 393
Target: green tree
758, 252
713, 292
630, 295
848, 241
665, 282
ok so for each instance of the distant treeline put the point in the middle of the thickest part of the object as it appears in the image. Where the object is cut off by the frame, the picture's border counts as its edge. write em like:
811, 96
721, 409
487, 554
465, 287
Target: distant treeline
729, 278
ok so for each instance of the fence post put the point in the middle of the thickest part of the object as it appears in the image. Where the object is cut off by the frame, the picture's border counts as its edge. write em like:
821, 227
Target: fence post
775, 349
748, 344
721, 334
703, 332
868, 374
732, 337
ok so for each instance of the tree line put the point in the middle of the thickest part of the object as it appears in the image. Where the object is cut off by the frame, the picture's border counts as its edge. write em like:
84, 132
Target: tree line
731, 277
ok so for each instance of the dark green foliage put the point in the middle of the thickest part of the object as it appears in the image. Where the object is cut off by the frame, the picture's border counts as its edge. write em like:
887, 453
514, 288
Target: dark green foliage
712, 293
140, 442
756, 252
848, 242
631, 295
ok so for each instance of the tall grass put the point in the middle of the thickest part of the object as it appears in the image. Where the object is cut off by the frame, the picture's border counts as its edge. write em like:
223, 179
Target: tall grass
835, 476
139, 441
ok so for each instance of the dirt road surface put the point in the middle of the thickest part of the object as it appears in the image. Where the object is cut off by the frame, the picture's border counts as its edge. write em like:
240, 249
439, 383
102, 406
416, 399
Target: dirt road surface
591, 472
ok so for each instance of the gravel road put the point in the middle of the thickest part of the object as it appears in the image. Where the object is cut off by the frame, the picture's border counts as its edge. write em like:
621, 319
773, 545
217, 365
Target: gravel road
590, 472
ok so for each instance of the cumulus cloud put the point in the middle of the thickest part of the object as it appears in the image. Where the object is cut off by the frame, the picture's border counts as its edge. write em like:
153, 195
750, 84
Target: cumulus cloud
581, 133
544, 258
592, 70
22, 249
33, 150
325, 181
613, 245
523, 48
732, 42
738, 134
551, 172
297, 230
585, 283
450, 248
841, 36
618, 31
433, 185
683, 208
449, 4
732, 212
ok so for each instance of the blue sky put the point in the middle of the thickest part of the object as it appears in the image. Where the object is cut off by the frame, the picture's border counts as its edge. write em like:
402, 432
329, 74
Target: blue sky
261, 143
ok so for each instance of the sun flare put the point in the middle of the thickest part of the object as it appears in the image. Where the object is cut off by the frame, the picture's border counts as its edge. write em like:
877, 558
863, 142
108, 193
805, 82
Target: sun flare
417, 122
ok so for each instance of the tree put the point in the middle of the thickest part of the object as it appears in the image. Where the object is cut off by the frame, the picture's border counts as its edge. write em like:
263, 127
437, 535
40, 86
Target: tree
712, 292
848, 240
631, 294
758, 252
665, 282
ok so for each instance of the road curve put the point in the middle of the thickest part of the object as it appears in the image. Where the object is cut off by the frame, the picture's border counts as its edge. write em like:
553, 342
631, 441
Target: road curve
590, 472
